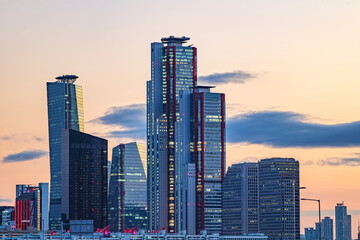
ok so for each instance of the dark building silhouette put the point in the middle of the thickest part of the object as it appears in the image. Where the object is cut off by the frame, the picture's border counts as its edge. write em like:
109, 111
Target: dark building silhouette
84, 178
279, 203
127, 192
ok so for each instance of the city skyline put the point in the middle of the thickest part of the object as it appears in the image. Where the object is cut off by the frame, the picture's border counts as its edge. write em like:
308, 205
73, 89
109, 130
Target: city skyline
304, 78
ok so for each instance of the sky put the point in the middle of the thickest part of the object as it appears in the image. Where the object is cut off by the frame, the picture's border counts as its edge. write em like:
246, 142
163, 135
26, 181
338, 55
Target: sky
289, 70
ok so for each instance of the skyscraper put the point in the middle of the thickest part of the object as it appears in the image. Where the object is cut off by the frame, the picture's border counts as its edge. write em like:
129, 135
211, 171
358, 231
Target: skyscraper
173, 68
241, 199
65, 111
200, 145
127, 193
84, 178
342, 222
279, 208
32, 207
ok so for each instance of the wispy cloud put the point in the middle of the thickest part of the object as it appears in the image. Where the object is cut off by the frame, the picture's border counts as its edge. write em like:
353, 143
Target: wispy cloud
24, 137
24, 156
130, 121
228, 77
5, 199
353, 161
289, 129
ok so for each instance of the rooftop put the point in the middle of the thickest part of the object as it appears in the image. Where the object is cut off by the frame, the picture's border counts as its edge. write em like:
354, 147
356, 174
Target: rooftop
175, 40
67, 78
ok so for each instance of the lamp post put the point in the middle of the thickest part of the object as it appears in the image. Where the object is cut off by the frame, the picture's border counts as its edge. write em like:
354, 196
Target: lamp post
316, 200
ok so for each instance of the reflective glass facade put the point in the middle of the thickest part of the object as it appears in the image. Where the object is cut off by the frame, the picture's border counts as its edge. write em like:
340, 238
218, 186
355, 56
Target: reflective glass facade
208, 143
173, 68
127, 195
241, 199
279, 205
65, 111
84, 178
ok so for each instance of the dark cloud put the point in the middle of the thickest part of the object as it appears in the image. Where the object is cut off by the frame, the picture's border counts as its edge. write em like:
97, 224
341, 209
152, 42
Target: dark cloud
224, 78
130, 119
289, 129
24, 137
24, 156
5, 138
5, 199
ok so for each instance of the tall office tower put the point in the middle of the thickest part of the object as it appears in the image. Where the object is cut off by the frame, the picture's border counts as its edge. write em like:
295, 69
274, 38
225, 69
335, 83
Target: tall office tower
65, 111
32, 207
84, 178
241, 199
127, 193
327, 229
173, 68
342, 222
200, 147
279, 205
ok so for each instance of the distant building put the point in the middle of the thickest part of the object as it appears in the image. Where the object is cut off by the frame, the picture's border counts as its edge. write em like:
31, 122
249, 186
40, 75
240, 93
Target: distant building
32, 207
65, 111
7, 214
84, 178
342, 222
279, 202
241, 200
127, 193
327, 229
310, 234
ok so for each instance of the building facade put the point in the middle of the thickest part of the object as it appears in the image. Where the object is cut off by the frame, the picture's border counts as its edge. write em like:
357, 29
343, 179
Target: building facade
342, 222
84, 178
279, 202
65, 111
173, 69
241, 199
327, 229
7, 214
127, 192
32, 207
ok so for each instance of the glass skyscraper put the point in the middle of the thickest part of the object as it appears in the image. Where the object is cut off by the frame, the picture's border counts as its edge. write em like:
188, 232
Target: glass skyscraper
241, 199
65, 111
279, 205
342, 222
84, 178
173, 68
127, 193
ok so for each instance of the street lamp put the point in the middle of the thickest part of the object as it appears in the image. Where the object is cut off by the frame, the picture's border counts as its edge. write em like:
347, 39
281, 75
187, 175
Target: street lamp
316, 200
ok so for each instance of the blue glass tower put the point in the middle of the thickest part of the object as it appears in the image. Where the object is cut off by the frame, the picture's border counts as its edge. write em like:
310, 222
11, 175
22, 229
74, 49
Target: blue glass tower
127, 195
65, 111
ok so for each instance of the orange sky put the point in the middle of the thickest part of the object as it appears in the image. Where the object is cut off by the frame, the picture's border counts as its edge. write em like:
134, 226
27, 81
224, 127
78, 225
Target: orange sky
304, 53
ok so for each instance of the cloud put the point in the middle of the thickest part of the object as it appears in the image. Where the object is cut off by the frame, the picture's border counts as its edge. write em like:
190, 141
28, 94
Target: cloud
224, 78
289, 129
24, 156
5, 199
24, 137
353, 161
130, 121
